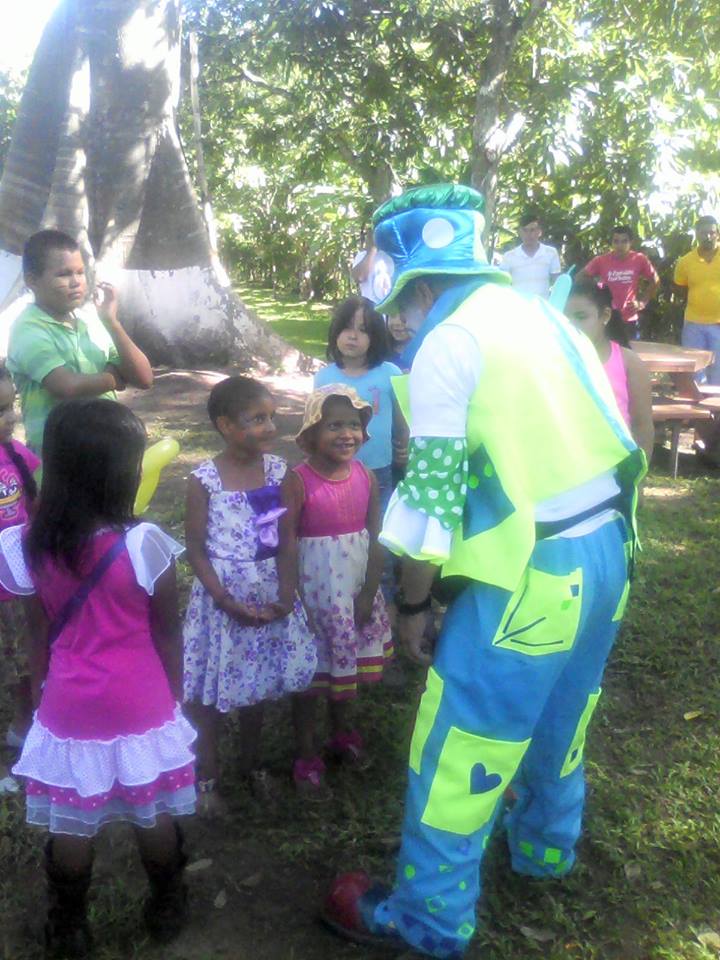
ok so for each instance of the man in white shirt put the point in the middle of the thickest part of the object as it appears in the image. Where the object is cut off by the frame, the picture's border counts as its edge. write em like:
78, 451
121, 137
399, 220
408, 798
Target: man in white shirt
533, 266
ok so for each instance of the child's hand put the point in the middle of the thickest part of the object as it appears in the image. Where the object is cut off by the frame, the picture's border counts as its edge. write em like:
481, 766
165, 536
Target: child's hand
279, 610
106, 302
362, 605
247, 614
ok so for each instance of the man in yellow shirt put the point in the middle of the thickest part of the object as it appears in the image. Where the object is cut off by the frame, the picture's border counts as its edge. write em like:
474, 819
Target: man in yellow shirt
697, 274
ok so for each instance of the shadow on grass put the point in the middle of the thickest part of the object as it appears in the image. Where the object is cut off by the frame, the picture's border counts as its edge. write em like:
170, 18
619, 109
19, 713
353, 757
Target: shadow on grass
302, 324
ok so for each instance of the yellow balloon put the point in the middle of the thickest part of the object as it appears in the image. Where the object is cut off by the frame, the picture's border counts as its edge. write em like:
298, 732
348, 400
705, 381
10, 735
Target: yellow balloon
156, 458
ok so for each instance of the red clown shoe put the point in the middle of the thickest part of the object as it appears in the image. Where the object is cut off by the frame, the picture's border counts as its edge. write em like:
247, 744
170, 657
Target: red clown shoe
349, 907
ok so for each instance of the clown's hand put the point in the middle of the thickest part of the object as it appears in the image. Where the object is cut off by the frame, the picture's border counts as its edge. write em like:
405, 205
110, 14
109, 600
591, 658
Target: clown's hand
411, 630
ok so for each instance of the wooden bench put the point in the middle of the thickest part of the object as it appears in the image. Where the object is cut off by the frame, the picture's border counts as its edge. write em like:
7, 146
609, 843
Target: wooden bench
679, 414
701, 403
690, 403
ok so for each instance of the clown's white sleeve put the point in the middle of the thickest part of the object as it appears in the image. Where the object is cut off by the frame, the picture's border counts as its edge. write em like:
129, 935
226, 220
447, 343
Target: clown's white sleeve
428, 504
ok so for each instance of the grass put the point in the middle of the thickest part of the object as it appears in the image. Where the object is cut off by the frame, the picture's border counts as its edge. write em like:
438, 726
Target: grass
302, 324
647, 883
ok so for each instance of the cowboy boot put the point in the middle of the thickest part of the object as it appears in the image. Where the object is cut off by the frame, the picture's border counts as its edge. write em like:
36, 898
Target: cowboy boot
165, 909
67, 932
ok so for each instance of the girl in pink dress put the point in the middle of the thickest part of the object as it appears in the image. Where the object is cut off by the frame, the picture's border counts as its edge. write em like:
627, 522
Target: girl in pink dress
332, 526
18, 490
589, 307
108, 740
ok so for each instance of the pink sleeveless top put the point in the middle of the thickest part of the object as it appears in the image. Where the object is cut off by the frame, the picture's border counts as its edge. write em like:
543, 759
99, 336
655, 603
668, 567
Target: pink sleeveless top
333, 507
615, 370
105, 677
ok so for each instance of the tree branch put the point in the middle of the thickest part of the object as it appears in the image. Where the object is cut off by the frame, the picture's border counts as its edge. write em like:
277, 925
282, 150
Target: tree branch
536, 8
253, 78
491, 135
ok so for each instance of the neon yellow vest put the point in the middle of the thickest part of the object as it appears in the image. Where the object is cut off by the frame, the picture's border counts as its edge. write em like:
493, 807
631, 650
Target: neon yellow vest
542, 421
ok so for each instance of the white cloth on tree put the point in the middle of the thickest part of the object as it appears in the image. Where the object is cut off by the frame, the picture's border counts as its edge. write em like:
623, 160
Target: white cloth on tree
376, 286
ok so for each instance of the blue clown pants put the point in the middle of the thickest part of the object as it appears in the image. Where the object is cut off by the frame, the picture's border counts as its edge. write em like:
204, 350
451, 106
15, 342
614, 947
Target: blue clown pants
508, 700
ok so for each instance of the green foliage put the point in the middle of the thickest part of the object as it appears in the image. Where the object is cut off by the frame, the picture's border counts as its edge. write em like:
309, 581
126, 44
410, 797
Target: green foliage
10, 90
315, 110
606, 114
295, 238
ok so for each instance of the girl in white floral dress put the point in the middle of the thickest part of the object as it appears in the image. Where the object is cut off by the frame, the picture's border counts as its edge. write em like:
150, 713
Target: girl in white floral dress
246, 637
332, 526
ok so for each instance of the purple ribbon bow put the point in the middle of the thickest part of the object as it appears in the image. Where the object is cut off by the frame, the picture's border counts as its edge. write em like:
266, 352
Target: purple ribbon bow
266, 526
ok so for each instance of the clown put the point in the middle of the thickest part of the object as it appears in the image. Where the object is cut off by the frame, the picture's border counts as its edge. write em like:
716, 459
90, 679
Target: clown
521, 490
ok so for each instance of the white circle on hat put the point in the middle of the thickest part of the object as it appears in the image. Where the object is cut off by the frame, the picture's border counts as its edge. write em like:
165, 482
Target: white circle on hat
438, 232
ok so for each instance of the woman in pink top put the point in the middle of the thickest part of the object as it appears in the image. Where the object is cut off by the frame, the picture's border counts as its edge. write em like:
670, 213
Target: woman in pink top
589, 306
108, 741
332, 526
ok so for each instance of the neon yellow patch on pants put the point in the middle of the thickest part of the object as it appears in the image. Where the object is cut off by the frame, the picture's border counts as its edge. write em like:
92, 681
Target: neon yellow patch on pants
575, 753
471, 776
622, 603
427, 711
543, 614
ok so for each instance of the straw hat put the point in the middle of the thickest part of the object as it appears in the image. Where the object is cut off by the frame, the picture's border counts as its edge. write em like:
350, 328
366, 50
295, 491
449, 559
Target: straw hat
316, 401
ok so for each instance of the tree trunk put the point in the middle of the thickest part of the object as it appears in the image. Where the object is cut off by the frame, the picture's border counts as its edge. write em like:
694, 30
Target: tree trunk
492, 134
96, 153
381, 181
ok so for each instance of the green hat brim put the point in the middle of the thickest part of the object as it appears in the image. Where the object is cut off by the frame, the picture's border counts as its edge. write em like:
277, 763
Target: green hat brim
494, 274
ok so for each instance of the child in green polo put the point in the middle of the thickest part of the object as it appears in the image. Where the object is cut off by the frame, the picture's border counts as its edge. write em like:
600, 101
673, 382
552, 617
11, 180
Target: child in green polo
60, 347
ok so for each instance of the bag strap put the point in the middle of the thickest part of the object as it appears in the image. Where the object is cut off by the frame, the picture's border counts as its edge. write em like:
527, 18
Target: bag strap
76, 601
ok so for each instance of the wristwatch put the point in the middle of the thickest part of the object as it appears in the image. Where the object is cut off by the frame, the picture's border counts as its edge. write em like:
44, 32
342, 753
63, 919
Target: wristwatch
410, 609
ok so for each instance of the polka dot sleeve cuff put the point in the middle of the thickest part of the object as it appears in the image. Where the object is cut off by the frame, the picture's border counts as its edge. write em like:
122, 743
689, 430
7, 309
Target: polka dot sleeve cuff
436, 479
428, 504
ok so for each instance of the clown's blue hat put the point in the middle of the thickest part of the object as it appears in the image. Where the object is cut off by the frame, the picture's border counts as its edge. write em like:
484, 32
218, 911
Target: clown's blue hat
433, 230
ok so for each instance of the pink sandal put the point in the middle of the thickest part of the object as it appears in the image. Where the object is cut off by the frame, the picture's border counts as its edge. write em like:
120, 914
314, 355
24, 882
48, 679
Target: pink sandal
349, 748
309, 775
210, 804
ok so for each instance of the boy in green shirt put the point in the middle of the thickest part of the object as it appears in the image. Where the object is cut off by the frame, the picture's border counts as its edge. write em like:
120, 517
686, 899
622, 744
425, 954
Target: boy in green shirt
59, 349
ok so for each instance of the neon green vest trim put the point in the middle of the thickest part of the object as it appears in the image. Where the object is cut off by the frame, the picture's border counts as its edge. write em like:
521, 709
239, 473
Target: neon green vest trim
534, 430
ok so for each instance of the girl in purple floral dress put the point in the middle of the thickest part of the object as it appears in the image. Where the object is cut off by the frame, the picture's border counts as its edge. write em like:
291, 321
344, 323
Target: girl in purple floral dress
246, 635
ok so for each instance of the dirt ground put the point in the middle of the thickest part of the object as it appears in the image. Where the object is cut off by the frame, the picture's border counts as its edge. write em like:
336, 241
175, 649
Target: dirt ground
177, 402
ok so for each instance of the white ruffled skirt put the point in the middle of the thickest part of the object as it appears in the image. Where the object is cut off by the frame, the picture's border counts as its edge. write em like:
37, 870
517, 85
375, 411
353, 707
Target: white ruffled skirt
76, 786
332, 573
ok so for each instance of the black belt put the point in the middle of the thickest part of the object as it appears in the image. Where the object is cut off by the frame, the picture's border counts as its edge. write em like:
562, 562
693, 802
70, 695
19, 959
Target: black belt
446, 589
551, 528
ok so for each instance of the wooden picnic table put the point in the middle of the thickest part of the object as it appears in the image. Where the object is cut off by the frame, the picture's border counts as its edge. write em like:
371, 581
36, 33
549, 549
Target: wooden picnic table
670, 357
687, 405
680, 363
